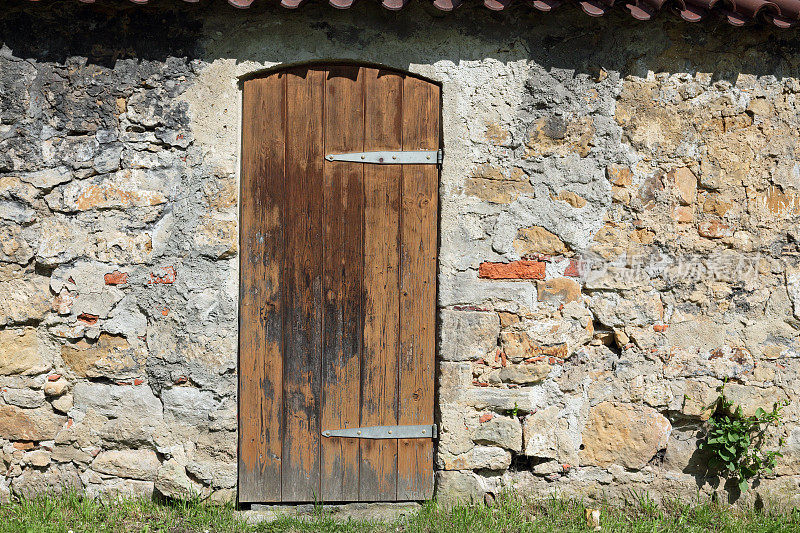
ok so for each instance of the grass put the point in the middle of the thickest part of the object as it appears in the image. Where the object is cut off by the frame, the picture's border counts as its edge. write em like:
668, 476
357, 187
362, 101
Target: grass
510, 514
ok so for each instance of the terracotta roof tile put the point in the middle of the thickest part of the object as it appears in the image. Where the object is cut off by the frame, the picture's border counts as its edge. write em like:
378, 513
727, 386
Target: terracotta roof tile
781, 13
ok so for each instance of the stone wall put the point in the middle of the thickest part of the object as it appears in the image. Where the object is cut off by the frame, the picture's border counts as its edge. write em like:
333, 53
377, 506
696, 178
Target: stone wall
618, 236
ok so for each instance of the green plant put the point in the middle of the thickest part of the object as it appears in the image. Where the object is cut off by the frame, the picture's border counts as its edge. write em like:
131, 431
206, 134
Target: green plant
736, 442
515, 411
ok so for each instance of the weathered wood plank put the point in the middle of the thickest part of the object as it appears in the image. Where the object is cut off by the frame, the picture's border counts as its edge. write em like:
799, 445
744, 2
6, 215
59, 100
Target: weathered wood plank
342, 316
383, 127
260, 314
303, 284
419, 218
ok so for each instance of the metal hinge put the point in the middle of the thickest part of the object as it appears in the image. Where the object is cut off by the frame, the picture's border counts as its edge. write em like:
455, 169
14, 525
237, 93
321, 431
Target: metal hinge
425, 431
387, 157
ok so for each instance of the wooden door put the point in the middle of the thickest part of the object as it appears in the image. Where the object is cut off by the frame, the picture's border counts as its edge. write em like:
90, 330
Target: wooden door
337, 285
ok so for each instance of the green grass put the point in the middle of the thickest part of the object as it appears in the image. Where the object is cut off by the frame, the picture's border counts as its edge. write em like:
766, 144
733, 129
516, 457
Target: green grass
512, 513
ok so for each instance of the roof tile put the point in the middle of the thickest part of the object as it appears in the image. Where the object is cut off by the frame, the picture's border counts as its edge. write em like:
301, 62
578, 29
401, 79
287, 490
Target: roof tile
781, 13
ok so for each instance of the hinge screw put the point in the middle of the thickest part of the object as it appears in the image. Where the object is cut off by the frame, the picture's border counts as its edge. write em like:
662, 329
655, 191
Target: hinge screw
358, 433
363, 157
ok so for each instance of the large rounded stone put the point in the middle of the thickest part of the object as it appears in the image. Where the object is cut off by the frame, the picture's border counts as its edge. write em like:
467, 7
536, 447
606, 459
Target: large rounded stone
623, 434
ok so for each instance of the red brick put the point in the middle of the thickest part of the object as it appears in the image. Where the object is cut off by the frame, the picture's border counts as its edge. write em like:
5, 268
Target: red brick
573, 270
138, 381
116, 278
54, 377
660, 328
524, 269
485, 417
167, 276
88, 318
469, 308
712, 229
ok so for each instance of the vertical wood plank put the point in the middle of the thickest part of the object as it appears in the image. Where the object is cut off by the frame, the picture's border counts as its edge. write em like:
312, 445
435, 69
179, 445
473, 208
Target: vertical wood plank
303, 284
419, 216
260, 312
383, 128
341, 351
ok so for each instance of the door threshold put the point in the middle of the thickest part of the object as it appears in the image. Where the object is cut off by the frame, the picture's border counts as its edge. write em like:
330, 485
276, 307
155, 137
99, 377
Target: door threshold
360, 511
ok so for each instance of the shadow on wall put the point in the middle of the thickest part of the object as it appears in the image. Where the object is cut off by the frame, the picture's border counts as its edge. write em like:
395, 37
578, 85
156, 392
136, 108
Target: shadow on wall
52, 30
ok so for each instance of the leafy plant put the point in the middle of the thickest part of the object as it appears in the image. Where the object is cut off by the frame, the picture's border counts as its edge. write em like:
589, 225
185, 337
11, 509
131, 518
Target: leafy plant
736, 441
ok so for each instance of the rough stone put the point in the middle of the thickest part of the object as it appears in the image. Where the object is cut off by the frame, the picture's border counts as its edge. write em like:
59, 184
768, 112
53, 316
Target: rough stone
683, 214
558, 290
700, 398
685, 185
64, 403
459, 487
751, 398
188, 405
627, 435
547, 434
20, 353
712, 229
522, 374
173, 482
16, 245
701, 334
110, 356
124, 189
48, 178
56, 388
133, 464
117, 400
24, 300
468, 335
683, 454
37, 458
29, 424
501, 431
520, 345
115, 489
61, 240
26, 398
480, 457
57, 479
216, 237
537, 240
492, 185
